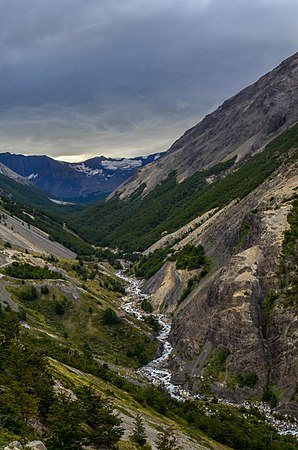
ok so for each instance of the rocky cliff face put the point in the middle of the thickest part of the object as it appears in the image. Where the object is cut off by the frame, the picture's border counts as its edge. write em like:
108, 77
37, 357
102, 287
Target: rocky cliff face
235, 335
239, 127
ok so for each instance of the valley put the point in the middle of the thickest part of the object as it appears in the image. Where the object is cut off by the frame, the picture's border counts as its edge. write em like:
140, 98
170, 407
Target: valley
170, 306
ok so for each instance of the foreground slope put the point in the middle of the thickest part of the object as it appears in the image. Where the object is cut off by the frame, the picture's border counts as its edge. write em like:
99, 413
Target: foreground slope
239, 127
52, 353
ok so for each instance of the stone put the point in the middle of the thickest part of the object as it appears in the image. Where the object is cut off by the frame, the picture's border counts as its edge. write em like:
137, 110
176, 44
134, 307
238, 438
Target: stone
36, 445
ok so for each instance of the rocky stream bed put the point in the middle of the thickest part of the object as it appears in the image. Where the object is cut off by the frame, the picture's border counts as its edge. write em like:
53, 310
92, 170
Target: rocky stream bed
159, 374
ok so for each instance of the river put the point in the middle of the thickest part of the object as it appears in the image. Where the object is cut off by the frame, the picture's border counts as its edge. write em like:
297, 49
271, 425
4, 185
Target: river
158, 372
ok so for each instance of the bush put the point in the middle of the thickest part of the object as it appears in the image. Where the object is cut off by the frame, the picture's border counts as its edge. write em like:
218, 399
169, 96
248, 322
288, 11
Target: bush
44, 290
270, 396
59, 309
27, 271
109, 317
146, 306
248, 379
190, 257
27, 292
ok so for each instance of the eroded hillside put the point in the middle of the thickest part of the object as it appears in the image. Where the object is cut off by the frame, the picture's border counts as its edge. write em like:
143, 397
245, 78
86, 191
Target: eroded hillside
235, 333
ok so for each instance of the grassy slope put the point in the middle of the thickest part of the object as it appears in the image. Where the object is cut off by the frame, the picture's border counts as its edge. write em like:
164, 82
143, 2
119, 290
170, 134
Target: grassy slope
71, 309
136, 223
72, 339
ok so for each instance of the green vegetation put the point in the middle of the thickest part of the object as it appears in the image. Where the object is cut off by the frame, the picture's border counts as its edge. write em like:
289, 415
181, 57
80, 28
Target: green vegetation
139, 435
140, 221
291, 235
245, 231
267, 308
88, 419
247, 379
190, 257
147, 266
167, 440
27, 292
146, 306
289, 261
153, 323
53, 225
215, 366
27, 271
134, 224
109, 317
270, 396
193, 282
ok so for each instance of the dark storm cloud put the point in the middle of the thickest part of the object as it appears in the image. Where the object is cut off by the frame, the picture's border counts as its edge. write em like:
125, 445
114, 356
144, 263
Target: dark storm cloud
128, 77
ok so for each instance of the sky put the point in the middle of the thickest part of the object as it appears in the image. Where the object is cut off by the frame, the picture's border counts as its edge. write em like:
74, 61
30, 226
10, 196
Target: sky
80, 78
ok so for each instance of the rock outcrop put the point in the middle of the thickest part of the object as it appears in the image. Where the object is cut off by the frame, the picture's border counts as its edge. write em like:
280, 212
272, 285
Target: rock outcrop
34, 445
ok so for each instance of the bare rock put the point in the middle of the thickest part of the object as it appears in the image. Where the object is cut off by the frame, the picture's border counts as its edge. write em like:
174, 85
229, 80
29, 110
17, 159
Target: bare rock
36, 445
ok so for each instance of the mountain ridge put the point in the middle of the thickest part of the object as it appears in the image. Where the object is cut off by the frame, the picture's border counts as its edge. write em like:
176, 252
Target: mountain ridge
242, 125
86, 181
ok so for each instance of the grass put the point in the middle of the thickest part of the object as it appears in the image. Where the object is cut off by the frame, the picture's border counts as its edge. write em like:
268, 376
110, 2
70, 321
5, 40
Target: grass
74, 315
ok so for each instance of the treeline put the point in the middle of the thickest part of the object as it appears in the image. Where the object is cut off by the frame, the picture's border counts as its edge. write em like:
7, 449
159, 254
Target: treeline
54, 226
136, 223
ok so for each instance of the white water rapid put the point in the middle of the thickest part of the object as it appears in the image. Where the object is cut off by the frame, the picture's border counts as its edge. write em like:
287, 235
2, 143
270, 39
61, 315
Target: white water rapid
157, 371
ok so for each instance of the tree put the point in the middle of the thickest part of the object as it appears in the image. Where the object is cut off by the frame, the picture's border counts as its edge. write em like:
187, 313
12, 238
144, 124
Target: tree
64, 422
104, 427
139, 436
167, 440
109, 317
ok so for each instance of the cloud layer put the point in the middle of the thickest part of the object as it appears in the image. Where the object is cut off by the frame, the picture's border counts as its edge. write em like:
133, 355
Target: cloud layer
87, 77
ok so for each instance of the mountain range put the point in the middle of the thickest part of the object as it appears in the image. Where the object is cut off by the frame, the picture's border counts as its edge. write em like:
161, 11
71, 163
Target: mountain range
86, 181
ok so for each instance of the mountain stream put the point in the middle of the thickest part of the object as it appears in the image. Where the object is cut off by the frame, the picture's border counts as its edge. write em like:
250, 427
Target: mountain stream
158, 372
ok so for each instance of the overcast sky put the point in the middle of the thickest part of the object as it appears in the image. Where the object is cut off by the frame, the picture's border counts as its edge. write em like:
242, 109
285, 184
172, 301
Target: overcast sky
128, 77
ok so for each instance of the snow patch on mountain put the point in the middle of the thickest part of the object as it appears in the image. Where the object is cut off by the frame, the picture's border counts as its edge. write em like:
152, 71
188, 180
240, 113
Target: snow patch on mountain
32, 176
123, 164
87, 170
60, 202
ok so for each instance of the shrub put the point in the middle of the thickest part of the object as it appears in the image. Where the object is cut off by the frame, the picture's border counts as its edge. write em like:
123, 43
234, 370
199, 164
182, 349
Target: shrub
109, 317
248, 379
27, 292
190, 257
27, 271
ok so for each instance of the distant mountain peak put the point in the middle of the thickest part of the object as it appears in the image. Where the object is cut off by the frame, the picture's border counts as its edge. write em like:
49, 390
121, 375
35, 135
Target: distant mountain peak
85, 181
